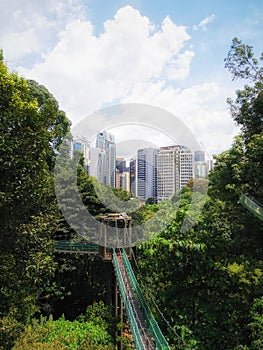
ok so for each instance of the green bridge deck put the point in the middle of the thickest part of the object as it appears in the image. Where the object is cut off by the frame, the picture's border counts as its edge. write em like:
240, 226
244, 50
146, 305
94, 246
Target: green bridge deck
145, 330
253, 206
151, 324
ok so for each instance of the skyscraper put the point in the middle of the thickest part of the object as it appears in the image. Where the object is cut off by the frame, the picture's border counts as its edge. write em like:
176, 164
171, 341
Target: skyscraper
133, 175
201, 166
106, 158
186, 166
147, 173
174, 170
199, 156
125, 181
121, 164
82, 145
97, 164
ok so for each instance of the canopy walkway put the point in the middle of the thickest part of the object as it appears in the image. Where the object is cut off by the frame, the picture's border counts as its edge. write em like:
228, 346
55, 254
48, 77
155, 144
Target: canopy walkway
76, 247
145, 330
252, 205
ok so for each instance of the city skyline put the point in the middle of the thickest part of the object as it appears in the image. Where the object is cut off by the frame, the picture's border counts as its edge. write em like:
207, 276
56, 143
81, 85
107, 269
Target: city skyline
155, 173
140, 144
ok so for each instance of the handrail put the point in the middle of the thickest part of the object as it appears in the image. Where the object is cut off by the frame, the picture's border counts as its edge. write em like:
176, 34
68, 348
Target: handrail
132, 321
152, 325
253, 206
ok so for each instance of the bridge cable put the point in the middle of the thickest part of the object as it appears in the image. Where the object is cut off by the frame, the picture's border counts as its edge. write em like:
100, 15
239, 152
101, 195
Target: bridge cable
138, 321
154, 302
150, 293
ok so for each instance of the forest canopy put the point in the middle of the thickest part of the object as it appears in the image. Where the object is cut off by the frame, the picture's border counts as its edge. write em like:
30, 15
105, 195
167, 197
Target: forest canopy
207, 282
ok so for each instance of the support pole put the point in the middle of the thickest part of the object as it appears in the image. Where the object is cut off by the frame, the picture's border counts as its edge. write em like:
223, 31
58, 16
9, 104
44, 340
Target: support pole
105, 241
100, 232
130, 236
109, 286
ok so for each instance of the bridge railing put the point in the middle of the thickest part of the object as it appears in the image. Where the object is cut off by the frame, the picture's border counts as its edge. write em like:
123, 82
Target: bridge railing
152, 325
132, 321
253, 206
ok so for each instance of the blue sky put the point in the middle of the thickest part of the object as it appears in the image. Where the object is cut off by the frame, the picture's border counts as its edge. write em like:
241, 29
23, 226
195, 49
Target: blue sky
93, 53
229, 19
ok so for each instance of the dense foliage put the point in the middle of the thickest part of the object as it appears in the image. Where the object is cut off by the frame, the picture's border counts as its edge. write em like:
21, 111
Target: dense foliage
29, 135
90, 331
204, 285
208, 282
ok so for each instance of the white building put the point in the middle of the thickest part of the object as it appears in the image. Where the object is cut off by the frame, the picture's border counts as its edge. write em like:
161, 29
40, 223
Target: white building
105, 142
97, 164
186, 166
146, 174
201, 170
174, 170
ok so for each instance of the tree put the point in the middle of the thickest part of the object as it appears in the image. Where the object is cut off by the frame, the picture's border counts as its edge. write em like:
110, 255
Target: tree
247, 110
29, 126
240, 61
54, 120
63, 334
208, 281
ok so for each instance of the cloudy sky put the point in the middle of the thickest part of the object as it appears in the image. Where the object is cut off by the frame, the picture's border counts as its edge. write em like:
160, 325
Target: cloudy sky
92, 54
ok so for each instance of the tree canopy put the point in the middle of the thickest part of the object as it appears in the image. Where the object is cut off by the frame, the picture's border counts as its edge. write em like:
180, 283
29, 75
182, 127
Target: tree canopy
204, 285
208, 282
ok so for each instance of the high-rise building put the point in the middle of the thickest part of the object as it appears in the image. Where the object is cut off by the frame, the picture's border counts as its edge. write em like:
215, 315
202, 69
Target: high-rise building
147, 174
82, 145
201, 170
174, 170
97, 164
133, 175
125, 181
117, 178
199, 156
121, 164
106, 142
202, 167
186, 166
210, 164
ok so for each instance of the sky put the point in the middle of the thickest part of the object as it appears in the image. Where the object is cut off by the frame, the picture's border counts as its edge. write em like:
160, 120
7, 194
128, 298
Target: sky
93, 54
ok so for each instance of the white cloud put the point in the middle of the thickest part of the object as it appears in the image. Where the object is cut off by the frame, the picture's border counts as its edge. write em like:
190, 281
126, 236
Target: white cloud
178, 69
204, 22
200, 107
85, 71
29, 27
131, 61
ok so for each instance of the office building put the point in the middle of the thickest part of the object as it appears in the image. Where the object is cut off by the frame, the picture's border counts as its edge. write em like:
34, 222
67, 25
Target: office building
147, 174
199, 156
80, 144
133, 175
121, 164
105, 141
174, 170
97, 164
125, 181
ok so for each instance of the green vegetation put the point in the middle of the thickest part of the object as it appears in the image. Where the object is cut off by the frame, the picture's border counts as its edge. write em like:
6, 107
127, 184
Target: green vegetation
91, 333
207, 282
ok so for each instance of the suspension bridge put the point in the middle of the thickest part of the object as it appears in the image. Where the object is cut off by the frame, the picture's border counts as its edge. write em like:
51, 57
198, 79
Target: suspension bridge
146, 334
